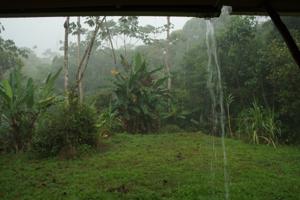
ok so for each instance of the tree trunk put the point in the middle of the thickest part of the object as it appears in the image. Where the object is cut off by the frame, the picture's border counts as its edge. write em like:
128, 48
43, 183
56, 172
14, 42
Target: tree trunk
111, 45
1, 74
167, 61
229, 120
80, 88
266, 103
66, 57
85, 58
124, 43
167, 56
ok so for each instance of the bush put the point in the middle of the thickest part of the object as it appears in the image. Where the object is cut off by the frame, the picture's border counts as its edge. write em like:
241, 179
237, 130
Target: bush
259, 124
109, 122
5, 141
21, 104
139, 96
65, 128
171, 128
102, 99
85, 150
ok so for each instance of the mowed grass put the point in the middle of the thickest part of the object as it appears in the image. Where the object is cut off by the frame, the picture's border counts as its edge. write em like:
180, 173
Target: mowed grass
163, 166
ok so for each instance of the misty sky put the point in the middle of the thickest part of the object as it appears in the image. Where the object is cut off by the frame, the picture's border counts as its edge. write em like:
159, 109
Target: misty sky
45, 33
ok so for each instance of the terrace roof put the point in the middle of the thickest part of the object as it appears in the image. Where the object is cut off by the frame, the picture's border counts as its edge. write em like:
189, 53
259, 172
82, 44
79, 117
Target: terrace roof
196, 8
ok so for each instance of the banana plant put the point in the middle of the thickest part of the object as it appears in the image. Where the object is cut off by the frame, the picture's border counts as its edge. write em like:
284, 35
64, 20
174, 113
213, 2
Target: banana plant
139, 96
21, 105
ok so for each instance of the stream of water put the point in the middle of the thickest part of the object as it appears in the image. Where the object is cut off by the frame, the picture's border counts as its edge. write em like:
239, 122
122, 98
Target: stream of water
214, 84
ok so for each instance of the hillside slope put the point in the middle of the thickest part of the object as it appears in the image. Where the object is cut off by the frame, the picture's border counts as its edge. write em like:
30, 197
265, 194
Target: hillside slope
165, 166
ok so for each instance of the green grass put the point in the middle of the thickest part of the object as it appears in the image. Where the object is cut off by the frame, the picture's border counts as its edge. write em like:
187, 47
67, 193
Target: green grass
165, 166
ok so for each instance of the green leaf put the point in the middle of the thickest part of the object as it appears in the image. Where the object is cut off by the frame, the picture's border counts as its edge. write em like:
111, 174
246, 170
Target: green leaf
3, 94
156, 70
30, 93
7, 89
161, 81
46, 102
138, 61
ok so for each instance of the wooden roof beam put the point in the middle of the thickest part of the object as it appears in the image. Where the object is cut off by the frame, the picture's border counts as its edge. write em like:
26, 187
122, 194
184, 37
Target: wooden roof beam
285, 33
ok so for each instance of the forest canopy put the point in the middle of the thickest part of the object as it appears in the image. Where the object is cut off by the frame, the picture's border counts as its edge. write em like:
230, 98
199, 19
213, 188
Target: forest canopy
158, 85
126, 110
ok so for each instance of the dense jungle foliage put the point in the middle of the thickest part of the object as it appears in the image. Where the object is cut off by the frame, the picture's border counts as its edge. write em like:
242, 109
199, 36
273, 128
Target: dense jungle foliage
123, 112
156, 85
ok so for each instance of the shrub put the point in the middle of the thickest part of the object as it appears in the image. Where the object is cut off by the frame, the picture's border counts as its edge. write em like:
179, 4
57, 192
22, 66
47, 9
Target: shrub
65, 128
102, 99
139, 96
171, 128
109, 122
21, 105
259, 124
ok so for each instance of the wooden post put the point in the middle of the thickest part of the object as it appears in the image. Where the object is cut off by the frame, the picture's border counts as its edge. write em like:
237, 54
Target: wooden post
290, 42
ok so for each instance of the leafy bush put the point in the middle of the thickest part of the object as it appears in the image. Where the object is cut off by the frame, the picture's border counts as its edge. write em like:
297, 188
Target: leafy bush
259, 124
139, 96
109, 122
175, 115
102, 99
65, 128
183, 119
21, 105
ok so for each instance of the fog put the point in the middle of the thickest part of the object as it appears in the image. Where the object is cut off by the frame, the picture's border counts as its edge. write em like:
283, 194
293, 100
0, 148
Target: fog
131, 111
45, 33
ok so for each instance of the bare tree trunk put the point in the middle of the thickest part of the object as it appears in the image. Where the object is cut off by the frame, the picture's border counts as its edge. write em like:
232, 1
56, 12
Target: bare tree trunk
124, 42
85, 58
111, 45
167, 60
66, 56
168, 65
80, 88
229, 120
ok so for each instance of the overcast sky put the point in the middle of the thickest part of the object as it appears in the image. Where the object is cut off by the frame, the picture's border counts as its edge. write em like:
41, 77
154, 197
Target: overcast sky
46, 32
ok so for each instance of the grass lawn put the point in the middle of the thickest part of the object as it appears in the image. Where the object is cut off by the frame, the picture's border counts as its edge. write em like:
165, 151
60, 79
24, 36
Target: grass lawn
166, 166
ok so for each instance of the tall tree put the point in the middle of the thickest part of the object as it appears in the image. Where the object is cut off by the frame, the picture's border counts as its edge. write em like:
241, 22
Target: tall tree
167, 54
66, 56
10, 54
95, 22
80, 89
109, 36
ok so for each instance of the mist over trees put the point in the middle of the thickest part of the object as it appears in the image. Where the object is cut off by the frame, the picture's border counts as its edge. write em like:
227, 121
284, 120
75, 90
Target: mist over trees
139, 111
167, 88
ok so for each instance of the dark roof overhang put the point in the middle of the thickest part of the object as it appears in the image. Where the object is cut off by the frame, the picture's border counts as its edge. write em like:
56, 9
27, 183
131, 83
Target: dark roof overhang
195, 8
